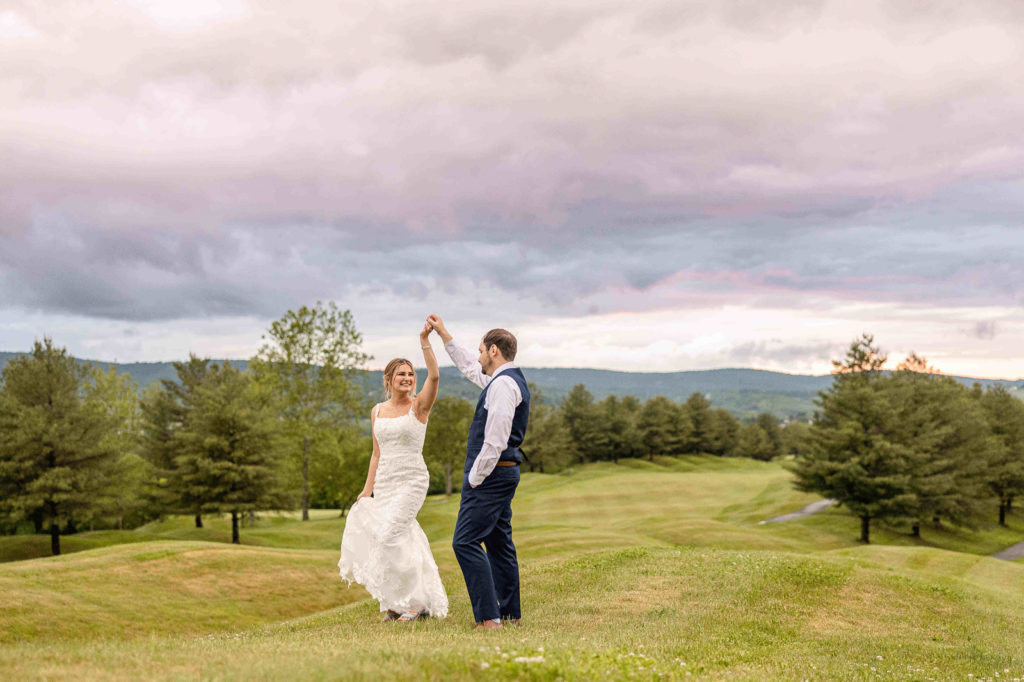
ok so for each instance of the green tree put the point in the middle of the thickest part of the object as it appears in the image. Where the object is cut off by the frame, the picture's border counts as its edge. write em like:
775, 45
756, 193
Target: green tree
771, 429
794, 438
128, 502
852, 457
126, 499
228, 446
657, 427
59, 438
630, 445
164, 410
616, 428
697, 413
1004, 471
338, 468
550, 447
723, 432
445, 445
312, 360
943, 429
754, 443
581, 421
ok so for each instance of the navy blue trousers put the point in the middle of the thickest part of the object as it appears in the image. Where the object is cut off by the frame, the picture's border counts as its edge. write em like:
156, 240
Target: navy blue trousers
485, 518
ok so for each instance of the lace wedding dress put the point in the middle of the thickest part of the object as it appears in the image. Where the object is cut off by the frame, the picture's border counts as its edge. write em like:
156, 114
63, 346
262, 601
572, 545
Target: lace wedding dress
383, 548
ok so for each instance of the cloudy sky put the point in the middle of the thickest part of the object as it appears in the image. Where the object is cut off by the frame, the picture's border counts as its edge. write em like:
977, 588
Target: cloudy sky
641, 185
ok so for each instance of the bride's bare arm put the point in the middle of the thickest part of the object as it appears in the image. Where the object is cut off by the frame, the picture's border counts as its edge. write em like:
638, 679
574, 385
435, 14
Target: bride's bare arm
425, 398
371, 475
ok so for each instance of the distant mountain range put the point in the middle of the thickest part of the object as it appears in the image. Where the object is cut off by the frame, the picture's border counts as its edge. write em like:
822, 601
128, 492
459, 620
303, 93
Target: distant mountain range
741, 391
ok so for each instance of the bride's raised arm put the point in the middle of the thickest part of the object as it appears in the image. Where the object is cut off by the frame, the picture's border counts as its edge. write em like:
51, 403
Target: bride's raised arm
425, 398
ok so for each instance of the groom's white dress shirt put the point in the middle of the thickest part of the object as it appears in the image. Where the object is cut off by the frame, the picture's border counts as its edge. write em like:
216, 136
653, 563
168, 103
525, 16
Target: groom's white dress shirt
501, 402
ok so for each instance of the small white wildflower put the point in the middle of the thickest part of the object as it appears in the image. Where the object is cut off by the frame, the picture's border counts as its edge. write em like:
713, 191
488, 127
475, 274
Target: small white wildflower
540, 648
878, 657
484, 665
504, 655
529, 659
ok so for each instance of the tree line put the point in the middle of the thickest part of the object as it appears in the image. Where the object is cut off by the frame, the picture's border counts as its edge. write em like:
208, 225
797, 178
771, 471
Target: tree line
579, 430
912, 447
81, 448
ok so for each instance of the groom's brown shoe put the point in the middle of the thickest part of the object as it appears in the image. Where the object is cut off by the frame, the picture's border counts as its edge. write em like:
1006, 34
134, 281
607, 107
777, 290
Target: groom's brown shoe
488, 625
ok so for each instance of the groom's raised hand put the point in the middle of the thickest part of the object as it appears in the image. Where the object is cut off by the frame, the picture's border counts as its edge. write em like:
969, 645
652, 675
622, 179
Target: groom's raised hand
437, 323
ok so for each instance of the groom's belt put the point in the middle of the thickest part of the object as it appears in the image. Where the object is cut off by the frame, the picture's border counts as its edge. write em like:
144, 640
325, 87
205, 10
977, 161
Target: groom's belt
504, 463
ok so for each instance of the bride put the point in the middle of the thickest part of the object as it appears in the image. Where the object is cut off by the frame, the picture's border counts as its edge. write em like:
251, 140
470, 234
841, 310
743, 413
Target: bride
383, 548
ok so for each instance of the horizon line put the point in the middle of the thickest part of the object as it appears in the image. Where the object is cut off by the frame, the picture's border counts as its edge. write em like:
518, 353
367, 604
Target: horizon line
574, 367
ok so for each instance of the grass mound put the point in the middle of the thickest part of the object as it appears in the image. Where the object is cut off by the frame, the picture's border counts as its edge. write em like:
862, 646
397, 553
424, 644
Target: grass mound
636, 613
641, 570
164, 587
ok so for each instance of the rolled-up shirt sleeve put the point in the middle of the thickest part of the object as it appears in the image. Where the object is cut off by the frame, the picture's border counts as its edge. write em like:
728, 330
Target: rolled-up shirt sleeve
502, 399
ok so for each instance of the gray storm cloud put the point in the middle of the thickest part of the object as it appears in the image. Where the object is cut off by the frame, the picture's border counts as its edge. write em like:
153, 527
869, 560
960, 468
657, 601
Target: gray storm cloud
172, 159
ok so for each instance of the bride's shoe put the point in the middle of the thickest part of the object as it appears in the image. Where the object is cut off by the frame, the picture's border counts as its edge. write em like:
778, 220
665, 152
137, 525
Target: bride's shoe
391, 615
409, 617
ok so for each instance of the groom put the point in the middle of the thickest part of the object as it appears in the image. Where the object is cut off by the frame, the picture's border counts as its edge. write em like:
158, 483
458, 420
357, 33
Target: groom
492, 475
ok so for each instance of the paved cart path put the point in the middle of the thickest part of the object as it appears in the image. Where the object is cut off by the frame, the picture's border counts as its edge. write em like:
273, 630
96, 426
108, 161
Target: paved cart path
1011, 553
812, 508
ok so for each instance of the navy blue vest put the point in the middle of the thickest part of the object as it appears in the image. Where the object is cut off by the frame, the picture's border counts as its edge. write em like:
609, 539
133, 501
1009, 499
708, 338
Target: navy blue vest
519, 421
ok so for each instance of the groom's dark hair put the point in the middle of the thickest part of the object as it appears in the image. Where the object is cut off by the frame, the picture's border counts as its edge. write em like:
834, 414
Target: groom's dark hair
504, 340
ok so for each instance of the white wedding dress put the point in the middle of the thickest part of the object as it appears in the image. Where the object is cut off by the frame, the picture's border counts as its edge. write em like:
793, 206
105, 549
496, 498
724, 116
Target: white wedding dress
383, 548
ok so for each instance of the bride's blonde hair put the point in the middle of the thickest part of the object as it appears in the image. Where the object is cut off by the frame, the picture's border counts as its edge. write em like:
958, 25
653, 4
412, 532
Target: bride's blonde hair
389, 374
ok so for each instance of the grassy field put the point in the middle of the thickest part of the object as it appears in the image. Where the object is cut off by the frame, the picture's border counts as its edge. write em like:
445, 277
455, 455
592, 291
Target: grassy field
642, 570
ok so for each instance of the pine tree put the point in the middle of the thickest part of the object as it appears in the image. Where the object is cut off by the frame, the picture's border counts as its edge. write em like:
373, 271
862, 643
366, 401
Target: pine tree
697, 413
165, 408
616, 428
794, 438
229, 446
581, 421
657, 426
59, 437
754, 442
944, 431
723, 432
549, 446
770, 425
852, 456
1004, 472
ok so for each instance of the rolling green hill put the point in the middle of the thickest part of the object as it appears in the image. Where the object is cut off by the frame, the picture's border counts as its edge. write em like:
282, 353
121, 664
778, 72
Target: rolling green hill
644, 570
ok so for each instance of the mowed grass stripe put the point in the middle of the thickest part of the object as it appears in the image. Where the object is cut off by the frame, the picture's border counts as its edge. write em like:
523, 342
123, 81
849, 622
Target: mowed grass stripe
637, 613
629, 571
164, 587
